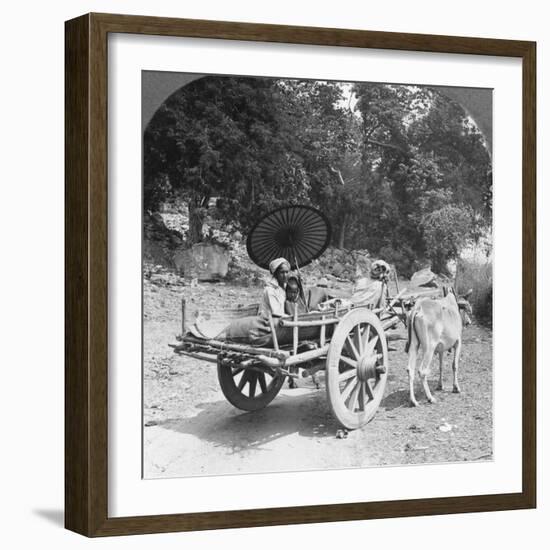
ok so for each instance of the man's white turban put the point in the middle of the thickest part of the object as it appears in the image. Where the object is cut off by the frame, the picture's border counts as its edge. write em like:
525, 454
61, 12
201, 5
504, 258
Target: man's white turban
275, 264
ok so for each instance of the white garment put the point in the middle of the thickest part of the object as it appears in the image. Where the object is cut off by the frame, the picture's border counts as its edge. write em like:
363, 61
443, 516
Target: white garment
368, 292
273, 300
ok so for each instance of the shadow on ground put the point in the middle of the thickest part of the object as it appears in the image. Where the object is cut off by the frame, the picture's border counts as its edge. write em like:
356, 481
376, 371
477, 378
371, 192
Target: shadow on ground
302, 411
399, 399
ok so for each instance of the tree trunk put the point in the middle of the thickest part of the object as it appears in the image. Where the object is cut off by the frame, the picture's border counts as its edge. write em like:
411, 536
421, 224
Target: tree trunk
196, 221
342, 233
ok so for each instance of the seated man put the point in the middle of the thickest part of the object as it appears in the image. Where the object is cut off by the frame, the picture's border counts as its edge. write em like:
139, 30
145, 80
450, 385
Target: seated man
369, 291
273, 297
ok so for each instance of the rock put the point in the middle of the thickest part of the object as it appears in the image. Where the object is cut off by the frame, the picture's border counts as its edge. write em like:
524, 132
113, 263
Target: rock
416, 429
155, 252
338, 269
341, 434
203, 261
409, 447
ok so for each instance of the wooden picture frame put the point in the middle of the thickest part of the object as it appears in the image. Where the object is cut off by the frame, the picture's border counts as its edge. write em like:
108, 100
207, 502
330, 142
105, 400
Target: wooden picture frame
86, 279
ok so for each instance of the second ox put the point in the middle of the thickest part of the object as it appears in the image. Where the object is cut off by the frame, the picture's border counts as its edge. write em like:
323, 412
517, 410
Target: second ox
435, 326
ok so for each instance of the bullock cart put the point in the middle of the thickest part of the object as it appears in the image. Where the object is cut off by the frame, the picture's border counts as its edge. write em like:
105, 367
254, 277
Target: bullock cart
349, 342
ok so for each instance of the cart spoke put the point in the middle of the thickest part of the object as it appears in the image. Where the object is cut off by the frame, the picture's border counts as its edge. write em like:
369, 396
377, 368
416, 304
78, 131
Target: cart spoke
359, 338
237, 370
244, 379
261, 380
371, 346
362, 397
366, 336
352, 347
368, 389
252, 388
348, 361
346, 375
347, 390
353, 398
272, 380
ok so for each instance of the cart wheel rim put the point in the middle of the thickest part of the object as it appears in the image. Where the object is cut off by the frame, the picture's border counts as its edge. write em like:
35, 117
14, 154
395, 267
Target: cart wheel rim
248, 389
357, 367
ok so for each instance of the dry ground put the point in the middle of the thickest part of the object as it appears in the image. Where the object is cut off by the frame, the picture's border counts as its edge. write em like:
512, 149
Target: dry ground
190, 429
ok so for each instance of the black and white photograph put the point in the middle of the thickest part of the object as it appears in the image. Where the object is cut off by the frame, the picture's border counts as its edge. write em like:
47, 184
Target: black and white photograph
317, 274
274, 275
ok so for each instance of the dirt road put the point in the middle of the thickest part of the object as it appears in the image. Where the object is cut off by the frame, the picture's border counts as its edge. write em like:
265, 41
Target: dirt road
190, 429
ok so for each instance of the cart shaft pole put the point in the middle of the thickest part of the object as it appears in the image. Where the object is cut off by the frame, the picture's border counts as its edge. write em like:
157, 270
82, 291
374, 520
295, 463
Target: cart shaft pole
319, 323
294, 359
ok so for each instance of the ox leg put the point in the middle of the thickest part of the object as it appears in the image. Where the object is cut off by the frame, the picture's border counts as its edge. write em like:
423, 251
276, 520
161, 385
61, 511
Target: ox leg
424, 371
440, 384
412, 369
456, 387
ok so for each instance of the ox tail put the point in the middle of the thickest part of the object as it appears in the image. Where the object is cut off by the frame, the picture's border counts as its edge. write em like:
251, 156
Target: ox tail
410, 328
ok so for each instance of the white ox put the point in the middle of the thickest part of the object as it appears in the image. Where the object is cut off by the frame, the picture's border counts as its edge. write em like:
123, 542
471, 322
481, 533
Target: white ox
436, 327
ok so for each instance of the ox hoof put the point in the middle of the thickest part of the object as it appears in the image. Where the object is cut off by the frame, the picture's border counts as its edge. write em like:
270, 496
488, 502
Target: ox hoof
413, 403
456, 389
432, 400
439, 387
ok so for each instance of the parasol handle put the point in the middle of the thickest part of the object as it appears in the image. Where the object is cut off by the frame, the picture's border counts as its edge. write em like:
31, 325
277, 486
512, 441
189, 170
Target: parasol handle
301, 282
396, 280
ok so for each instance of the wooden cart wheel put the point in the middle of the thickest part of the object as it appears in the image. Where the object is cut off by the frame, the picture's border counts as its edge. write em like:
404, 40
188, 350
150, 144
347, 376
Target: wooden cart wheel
246, 389
357, 368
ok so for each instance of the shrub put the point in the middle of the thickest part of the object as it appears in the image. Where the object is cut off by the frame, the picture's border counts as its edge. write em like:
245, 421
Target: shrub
402, 258
478, 277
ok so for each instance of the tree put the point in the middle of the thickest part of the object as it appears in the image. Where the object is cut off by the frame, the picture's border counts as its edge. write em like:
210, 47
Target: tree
426, 154
384, 162
225, 137
446, 233
326, 138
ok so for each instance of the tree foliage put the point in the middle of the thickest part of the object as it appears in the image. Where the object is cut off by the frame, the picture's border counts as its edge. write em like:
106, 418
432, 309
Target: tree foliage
445, 232
399, 170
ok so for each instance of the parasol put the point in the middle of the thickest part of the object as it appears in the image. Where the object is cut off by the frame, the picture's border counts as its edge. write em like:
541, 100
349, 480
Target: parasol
298, 233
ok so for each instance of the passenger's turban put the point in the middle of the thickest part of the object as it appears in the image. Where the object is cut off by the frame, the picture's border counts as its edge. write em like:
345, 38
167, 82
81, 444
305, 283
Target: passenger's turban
275, 264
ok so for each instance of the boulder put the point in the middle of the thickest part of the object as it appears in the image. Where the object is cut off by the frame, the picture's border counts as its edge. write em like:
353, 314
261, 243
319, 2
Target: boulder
203, 261
155, 253
338, 269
